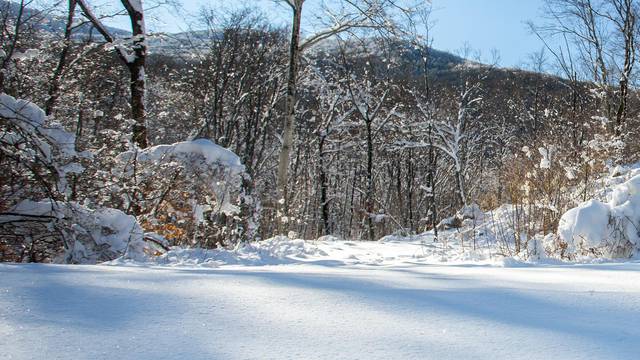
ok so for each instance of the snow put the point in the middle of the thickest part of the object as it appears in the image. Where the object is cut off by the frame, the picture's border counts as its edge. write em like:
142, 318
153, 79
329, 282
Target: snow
628, 191
586, 225
48, 142
545, 161
391, 250
472, 211
122, 228
609, 229
223, 169
212, 153
274, 251
28, 54
90, 235
21, 110
321, 311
